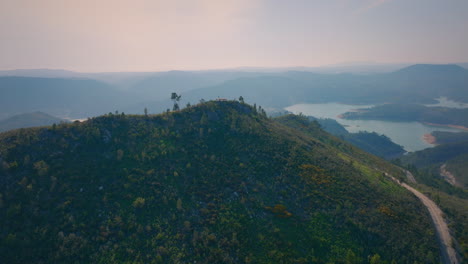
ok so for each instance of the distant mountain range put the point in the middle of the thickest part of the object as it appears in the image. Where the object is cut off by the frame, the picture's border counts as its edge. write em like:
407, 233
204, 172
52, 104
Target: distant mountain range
80, 95
61, 97
29, 120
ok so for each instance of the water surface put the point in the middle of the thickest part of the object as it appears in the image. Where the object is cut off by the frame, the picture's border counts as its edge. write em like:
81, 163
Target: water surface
407, 134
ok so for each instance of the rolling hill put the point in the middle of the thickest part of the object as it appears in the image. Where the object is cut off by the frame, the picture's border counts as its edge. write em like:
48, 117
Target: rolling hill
218, 182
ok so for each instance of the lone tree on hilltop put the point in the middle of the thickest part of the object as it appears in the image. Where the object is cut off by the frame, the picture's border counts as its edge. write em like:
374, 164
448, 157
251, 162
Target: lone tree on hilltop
175, 98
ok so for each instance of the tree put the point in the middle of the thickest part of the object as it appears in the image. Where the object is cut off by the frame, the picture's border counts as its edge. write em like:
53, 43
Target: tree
375, 259
351, 258
146, 111
241, 99
139, 202
179, 204
120, 154
175, 98
41, 167
204, 119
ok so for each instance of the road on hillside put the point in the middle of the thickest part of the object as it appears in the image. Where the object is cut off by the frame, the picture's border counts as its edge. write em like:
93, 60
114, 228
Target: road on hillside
449, 255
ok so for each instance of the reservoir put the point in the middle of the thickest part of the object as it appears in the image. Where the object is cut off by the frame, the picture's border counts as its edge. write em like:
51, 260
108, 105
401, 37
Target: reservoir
407, 134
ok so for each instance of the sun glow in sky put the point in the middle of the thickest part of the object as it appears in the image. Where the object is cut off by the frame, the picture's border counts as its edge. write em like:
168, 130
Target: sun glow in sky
152, 35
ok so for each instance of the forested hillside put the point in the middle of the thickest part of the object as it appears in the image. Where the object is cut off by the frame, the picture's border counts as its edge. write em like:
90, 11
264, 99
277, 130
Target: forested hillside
214, 183
453, 155
443, 137
379, 145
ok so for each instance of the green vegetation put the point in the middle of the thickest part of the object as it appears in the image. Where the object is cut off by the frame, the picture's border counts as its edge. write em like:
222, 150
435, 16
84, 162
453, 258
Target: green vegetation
371, 142
456, 211
426, 166
437, 154
454, 155
214, 183
175, 99
458, 166
413, 112
443, 137
379, 145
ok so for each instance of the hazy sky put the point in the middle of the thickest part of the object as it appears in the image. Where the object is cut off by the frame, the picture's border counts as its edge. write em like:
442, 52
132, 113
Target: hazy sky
149, 35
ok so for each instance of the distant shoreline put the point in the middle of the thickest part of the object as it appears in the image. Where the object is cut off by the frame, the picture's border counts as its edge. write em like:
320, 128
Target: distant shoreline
341, 116
430, 139
451, 126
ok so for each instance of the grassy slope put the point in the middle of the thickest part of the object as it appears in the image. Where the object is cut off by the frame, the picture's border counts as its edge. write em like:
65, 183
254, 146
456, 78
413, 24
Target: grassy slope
215, 183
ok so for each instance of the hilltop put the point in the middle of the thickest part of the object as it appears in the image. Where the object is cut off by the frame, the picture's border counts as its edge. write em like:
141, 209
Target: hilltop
214, 183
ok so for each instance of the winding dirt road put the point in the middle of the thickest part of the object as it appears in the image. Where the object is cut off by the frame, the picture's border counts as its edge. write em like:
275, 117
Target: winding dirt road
449, 255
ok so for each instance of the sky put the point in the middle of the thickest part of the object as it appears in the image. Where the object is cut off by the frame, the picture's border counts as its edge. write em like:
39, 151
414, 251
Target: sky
156, 35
